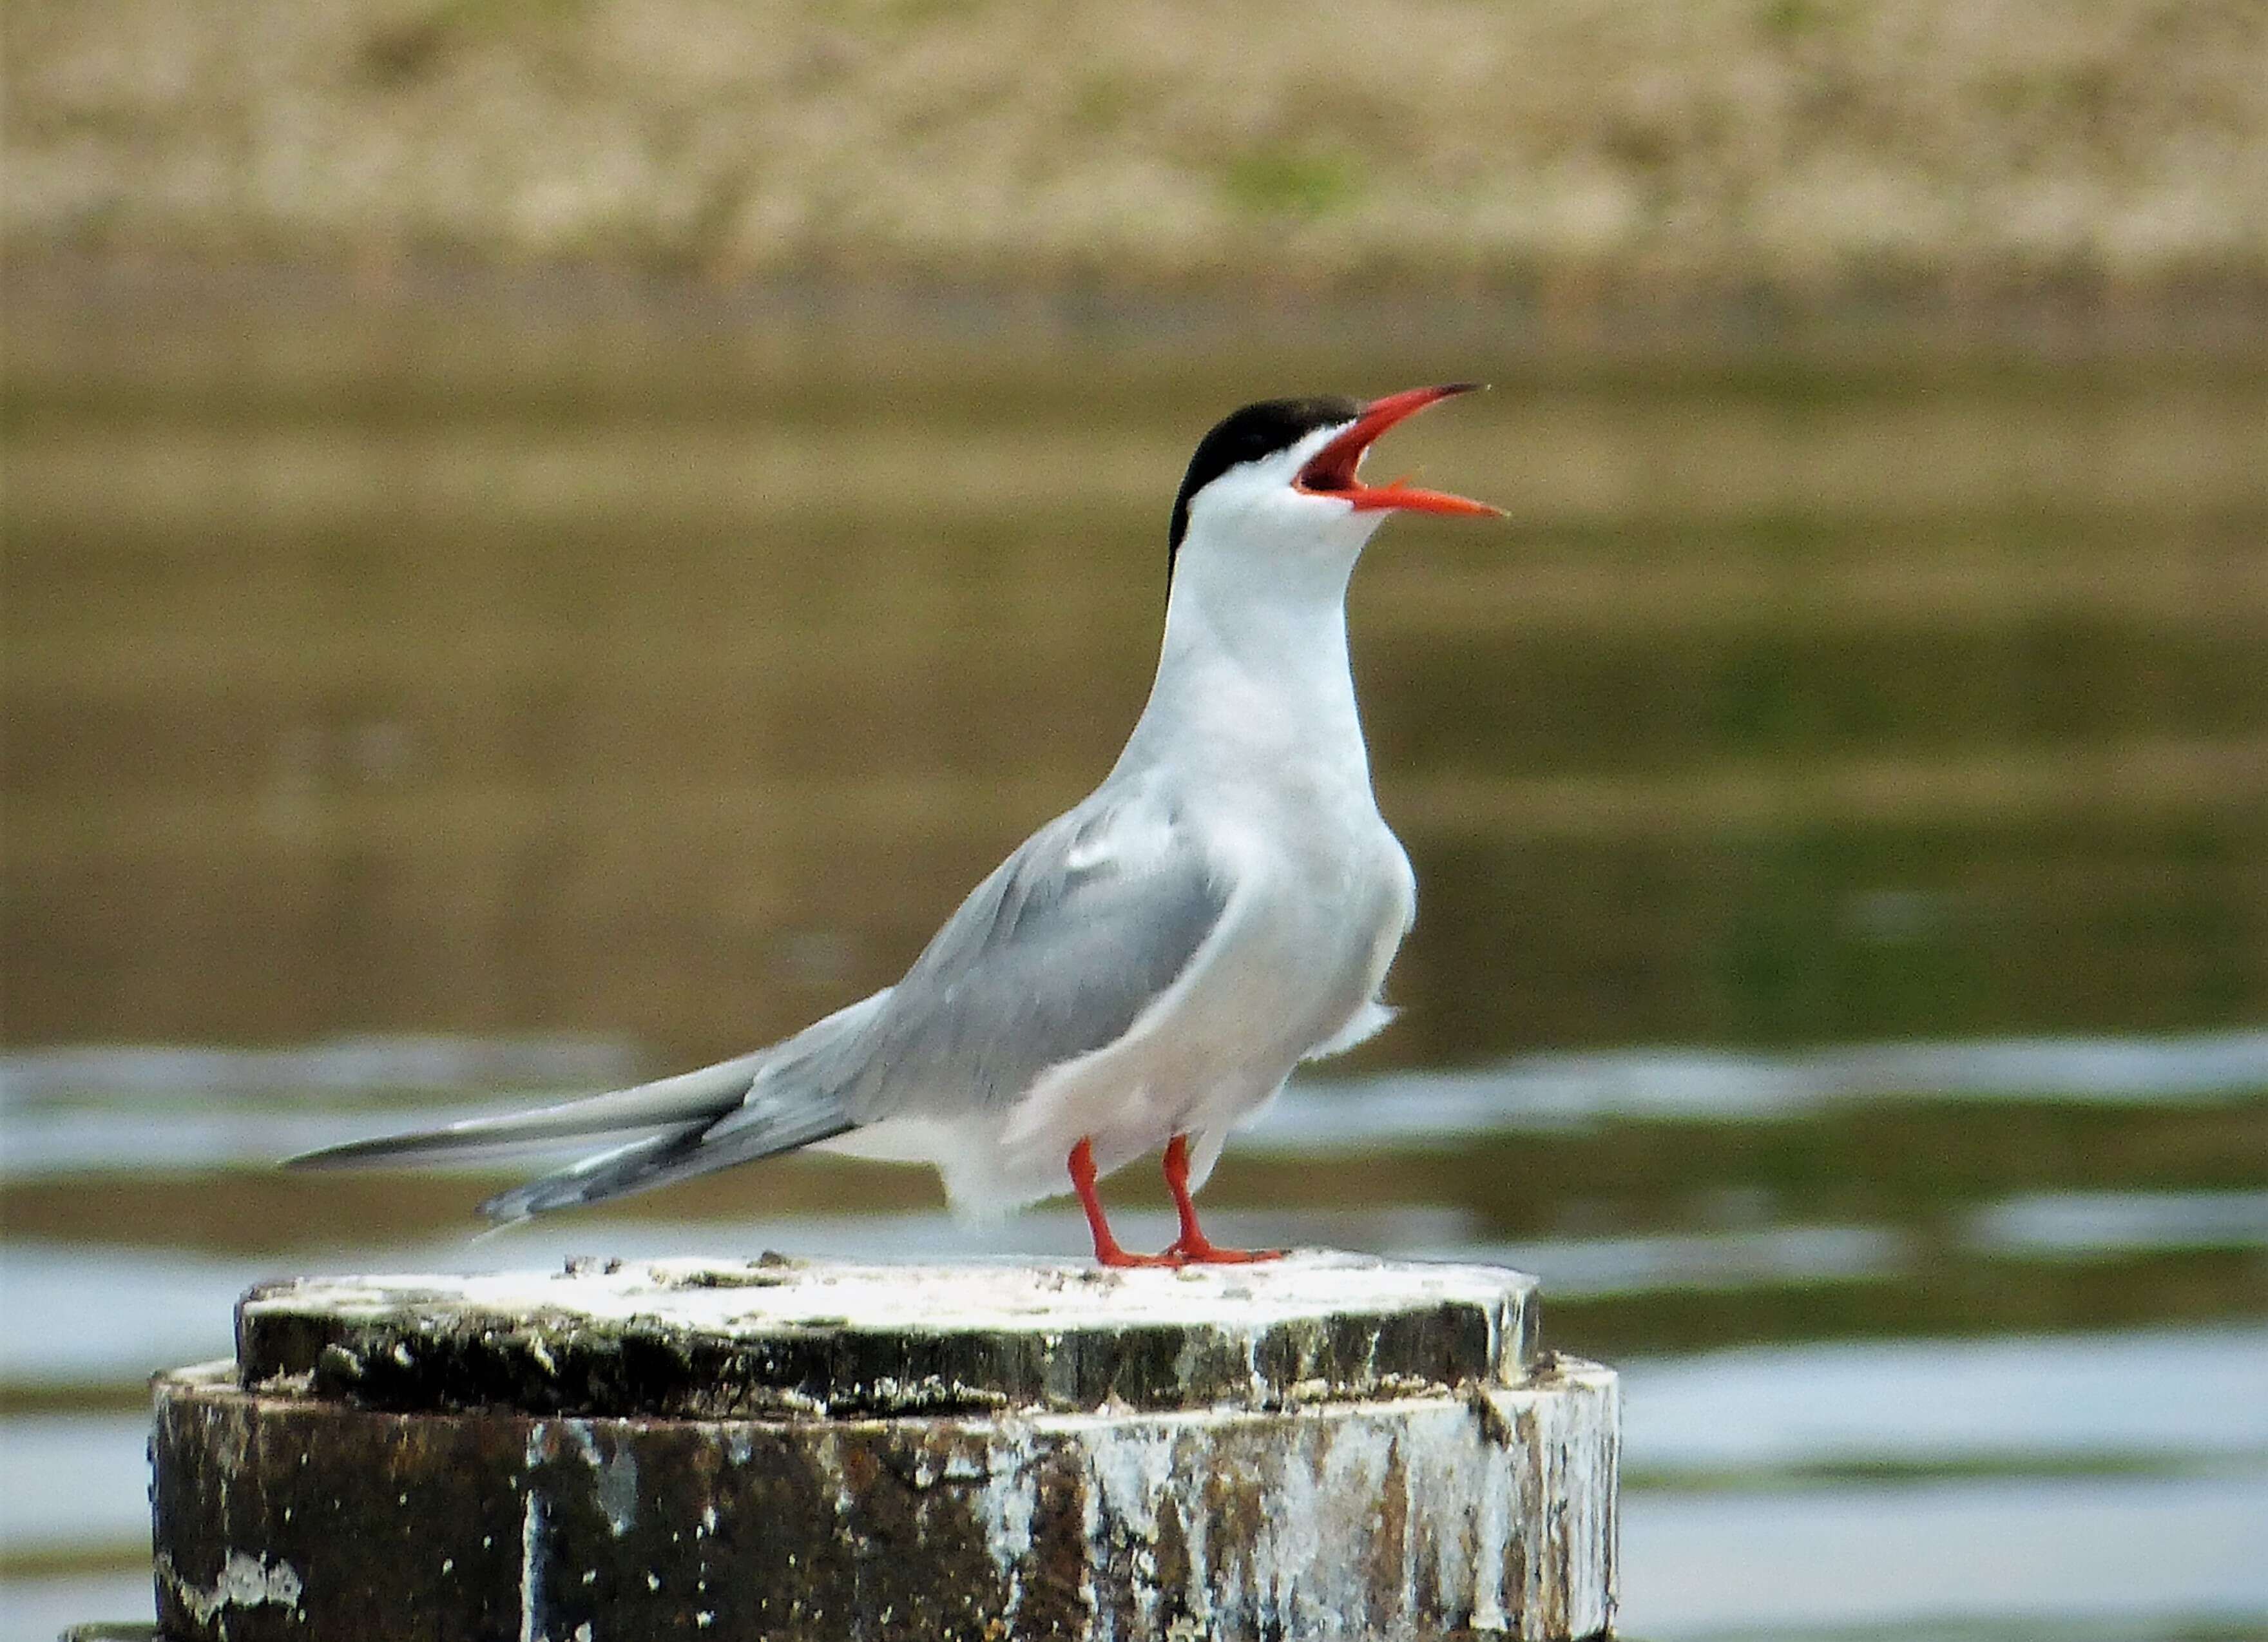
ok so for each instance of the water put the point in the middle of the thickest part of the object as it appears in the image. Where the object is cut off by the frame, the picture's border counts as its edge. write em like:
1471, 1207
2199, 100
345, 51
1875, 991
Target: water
1970, 1399
1839, 793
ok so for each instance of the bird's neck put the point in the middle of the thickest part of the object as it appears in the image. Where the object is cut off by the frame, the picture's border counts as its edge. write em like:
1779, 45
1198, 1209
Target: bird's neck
1252, 676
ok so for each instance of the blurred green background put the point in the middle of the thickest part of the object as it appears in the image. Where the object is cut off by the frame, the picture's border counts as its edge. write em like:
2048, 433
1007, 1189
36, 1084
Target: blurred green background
547, 541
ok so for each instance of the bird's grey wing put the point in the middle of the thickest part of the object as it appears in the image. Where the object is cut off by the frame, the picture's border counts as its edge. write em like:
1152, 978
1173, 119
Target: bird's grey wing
1055, 955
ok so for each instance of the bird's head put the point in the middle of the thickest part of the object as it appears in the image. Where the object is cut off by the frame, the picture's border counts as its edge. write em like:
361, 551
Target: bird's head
1288, 470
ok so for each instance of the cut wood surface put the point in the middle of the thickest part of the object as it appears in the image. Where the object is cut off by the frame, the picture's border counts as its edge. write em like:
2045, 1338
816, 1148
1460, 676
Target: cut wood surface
779, 1335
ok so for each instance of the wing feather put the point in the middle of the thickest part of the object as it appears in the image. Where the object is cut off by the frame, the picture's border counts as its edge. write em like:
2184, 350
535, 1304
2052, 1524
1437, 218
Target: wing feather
1053, 956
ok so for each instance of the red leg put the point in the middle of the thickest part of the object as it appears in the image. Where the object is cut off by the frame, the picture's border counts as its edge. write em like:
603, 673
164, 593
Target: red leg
1107, 1251
1193, 1247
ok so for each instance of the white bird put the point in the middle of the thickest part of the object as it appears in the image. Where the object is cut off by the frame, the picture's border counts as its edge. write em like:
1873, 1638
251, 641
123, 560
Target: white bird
1148, 969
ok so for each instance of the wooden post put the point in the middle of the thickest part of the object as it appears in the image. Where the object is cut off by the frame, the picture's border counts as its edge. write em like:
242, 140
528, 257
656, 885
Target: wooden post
771, 1451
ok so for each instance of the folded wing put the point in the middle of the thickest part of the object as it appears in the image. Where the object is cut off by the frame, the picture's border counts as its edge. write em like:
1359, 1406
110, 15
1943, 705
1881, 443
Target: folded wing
1057, 953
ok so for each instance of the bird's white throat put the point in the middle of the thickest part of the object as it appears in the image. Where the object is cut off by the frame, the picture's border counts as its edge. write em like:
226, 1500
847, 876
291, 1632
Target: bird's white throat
1253, 669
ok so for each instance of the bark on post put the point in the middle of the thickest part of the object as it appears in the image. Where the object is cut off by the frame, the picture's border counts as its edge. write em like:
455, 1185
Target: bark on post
767, 1451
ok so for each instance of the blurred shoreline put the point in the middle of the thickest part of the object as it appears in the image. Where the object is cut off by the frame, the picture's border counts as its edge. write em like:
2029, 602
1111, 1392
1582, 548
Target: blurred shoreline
1791, 144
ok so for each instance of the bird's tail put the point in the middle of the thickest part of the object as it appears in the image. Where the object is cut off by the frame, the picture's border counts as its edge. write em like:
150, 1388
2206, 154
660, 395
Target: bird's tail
775, 1099
768, 1122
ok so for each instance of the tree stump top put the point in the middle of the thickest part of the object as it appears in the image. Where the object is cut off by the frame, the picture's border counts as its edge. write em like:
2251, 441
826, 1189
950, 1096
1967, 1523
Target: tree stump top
775, 1337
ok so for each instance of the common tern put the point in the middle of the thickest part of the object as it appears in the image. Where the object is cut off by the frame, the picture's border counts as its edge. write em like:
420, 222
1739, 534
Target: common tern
1148, 969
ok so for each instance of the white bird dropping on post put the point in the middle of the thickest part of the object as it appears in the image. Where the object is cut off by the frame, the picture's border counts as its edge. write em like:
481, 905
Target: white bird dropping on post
1147, 968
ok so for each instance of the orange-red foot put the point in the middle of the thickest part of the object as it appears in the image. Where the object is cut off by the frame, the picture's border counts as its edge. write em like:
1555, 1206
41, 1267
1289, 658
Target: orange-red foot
1193, 1248
1111, 1254
1205, 1252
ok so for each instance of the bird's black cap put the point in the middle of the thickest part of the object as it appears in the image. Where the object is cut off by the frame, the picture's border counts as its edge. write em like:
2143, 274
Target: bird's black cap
1247, 434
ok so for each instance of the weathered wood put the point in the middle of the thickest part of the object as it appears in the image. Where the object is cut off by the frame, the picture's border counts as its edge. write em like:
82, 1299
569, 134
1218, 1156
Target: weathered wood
1327, 1446
706, 1337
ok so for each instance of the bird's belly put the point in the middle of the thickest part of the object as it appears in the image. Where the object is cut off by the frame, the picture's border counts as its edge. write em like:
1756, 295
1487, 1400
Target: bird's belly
1301, 957
1312, 962
1304, 958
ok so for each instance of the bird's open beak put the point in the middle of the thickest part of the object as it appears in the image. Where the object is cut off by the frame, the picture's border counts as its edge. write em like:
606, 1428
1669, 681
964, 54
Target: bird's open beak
1331, 471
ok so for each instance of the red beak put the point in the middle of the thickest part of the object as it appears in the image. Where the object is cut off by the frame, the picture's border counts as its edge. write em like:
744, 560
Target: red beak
1330, 472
